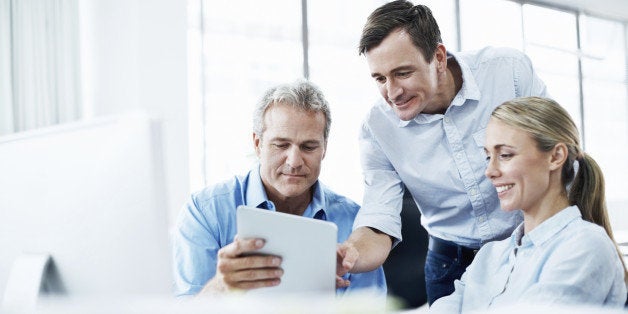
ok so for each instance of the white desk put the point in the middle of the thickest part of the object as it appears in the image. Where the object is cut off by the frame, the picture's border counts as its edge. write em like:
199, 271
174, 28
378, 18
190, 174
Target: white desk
235, 303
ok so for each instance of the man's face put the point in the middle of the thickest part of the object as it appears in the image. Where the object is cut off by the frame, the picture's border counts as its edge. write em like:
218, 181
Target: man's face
408, 83
290, 151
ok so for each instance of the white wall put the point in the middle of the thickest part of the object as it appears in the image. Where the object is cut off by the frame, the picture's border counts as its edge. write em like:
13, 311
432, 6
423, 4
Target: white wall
134, 58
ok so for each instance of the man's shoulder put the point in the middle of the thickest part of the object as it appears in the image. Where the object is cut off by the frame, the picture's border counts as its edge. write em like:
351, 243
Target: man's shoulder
339, 203
490, 53
223, 193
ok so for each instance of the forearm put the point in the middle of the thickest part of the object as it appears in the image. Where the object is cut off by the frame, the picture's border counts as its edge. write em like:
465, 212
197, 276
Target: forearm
373, 247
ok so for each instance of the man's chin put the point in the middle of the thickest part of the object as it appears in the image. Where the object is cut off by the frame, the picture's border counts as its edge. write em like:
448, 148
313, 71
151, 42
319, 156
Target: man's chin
405, 113
405, 116
293, 190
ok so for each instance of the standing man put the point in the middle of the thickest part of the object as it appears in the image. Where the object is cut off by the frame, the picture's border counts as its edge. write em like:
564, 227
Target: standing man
427, 135
290, 131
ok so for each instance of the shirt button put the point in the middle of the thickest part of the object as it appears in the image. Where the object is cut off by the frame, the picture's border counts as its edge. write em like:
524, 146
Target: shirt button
473, 191
481, 219
446, 119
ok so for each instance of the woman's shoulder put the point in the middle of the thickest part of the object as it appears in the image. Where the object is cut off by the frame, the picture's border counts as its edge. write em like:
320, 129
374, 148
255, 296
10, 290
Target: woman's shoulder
586, 241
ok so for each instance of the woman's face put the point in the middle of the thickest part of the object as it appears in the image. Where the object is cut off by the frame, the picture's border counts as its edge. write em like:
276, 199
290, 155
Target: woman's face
517, 168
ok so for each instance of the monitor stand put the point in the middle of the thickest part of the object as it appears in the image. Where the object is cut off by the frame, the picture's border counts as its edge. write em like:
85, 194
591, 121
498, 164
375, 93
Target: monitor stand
31, 276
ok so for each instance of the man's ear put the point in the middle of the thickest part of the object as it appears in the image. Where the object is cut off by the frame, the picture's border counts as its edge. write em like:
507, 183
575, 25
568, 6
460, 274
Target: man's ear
440, 56
257, 142
558, 156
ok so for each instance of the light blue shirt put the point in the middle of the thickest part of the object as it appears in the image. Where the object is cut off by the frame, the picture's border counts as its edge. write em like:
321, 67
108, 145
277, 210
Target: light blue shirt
440, 158
208, 222
564, 260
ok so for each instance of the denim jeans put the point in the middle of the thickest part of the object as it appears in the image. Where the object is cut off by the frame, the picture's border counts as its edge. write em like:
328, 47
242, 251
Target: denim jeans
440, 273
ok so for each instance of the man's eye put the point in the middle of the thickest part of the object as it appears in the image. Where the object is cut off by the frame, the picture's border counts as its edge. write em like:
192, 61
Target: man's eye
380, 79
282, 146
309, 148
505, 156
403, 74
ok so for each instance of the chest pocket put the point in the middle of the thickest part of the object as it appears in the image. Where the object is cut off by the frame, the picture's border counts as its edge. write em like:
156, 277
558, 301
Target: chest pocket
479, 137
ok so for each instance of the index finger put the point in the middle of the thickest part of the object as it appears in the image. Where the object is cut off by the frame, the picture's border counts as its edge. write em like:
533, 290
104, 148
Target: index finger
346, 257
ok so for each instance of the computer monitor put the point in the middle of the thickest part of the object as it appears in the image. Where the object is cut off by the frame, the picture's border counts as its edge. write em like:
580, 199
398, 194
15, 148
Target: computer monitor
90, 196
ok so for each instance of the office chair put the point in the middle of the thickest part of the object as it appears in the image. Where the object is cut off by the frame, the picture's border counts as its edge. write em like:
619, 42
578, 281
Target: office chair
404, 267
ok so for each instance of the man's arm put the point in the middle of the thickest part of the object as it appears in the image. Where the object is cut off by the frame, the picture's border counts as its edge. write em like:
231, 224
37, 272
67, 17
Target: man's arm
365, 250
239, 268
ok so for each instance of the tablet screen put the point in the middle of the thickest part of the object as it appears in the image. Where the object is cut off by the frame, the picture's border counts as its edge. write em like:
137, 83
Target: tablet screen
307, 247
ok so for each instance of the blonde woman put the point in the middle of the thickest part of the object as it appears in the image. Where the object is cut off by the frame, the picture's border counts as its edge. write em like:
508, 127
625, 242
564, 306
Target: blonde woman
563, 252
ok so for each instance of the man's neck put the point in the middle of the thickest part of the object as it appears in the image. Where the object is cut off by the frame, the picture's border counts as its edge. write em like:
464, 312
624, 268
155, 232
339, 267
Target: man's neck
293, 205
455, 78
450, 84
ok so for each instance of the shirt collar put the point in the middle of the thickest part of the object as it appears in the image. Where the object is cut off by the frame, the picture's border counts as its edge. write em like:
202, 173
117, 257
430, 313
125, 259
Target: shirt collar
316, 209
469, 90
549, 228
256, 196
255, 192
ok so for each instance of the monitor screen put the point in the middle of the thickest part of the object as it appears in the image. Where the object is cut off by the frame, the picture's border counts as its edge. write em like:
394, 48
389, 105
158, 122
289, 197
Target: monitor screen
92, 197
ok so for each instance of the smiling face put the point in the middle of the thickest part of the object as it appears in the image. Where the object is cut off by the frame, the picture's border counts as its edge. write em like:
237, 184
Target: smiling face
405, 80
517, 168
290, 151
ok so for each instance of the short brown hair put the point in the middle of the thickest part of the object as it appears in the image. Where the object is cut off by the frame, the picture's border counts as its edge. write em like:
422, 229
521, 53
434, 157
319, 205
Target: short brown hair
417, 21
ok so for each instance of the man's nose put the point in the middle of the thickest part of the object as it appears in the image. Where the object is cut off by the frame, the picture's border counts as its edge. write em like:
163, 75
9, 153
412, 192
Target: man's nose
294, 158
393, 90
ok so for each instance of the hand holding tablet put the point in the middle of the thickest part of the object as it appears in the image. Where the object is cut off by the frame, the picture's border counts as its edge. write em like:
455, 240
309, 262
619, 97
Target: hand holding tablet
240, 268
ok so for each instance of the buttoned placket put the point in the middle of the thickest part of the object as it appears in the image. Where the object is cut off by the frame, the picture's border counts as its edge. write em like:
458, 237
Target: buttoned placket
471, 185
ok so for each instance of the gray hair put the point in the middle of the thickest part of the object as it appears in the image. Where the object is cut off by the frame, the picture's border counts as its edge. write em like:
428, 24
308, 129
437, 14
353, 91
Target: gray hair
301, 94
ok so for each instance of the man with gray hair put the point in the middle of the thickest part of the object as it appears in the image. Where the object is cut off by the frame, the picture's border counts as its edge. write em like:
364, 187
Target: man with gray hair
290, 130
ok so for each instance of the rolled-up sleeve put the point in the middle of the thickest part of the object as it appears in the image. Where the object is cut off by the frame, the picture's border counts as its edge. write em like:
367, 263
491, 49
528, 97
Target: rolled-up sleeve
383, 189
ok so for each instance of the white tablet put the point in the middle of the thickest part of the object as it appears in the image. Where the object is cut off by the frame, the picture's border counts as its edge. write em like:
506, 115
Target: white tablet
307, 247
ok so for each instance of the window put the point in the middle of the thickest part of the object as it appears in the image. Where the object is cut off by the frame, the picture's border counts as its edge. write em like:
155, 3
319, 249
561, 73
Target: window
554, 54
490, 23
605, 105
39, 64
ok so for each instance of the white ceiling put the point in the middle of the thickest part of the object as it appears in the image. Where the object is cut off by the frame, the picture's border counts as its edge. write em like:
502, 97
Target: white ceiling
615, 9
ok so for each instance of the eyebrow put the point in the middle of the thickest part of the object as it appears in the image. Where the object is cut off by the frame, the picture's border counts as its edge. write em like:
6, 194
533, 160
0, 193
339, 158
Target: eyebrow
283, 139
499, 146
397, 69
